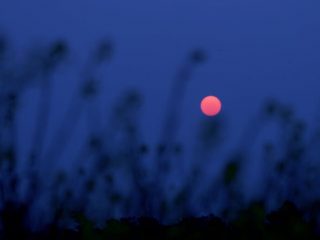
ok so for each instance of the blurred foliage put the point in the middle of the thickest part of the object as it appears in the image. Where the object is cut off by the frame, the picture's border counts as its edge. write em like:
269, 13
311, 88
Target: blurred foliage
110, 178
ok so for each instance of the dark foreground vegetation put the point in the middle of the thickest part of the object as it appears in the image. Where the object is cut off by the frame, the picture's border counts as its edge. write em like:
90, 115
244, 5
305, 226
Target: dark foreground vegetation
40, 199
252, 223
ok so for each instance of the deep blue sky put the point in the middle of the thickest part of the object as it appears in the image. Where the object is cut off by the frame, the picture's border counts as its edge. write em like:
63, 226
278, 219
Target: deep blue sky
256, 49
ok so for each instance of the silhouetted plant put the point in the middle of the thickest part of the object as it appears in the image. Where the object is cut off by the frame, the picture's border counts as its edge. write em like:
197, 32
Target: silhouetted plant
87, 199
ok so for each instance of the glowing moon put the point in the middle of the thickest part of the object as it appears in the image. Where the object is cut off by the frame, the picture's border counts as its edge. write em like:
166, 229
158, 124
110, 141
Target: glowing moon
210, 105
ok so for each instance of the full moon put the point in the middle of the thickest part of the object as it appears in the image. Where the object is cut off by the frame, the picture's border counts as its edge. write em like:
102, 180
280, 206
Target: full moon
210, 105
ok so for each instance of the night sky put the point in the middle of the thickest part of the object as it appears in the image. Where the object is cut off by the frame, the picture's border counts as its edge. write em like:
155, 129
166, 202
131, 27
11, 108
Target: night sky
256, 50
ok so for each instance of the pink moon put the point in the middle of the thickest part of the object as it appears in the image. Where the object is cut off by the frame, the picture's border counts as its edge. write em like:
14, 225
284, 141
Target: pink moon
210, 106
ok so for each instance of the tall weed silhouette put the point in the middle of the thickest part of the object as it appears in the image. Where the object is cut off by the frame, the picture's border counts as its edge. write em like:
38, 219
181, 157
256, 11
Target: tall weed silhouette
110, 180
